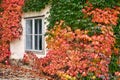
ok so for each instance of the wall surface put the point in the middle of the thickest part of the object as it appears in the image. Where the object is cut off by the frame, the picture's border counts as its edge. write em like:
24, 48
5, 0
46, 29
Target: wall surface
17, 47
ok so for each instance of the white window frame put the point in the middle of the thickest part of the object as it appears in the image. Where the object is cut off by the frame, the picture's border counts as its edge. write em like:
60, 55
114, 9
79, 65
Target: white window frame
33, 34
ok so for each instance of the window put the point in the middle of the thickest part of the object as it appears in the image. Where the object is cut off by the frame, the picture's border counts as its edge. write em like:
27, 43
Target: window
34, 34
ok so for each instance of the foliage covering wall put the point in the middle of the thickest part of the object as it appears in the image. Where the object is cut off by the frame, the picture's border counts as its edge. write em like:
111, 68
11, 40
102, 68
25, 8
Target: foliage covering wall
94, 24
86, 15
10, 27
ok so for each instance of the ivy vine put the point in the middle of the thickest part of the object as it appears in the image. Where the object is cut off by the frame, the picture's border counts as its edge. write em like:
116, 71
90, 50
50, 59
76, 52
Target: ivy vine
34, 5
68, 10
71, 12
117, 35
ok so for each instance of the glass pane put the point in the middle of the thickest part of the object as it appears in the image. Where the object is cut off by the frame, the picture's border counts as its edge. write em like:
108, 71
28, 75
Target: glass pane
28, 41
28, 26
40, 42
36, 42
38, 26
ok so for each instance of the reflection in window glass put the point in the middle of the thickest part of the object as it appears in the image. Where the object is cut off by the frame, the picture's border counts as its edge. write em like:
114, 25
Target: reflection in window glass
29, 26
29, 42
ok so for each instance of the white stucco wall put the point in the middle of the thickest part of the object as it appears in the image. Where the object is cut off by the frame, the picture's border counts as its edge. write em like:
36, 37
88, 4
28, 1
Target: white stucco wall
17, 47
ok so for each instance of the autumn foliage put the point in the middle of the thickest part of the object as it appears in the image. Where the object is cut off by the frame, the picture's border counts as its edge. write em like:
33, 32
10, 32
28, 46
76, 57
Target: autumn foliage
103, 16
73, 52
10, 27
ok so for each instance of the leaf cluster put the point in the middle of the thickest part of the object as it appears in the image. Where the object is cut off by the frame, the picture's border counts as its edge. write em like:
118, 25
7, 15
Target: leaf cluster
104, 3
34, 5
10, 27
117, 34
71, 12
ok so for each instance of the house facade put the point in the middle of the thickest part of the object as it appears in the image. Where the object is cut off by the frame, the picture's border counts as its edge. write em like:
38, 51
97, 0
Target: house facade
34, 26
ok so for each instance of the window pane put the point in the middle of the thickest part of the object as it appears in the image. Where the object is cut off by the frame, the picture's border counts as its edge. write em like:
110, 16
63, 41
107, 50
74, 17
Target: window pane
38, 26
40, 42
28, 26
28, 41
36, 42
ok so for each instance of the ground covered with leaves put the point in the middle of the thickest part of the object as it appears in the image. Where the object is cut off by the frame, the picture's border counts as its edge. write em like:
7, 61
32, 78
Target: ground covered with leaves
10, 72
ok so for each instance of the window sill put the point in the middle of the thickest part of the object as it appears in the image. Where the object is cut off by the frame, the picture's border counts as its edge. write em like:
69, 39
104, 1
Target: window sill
40, 52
